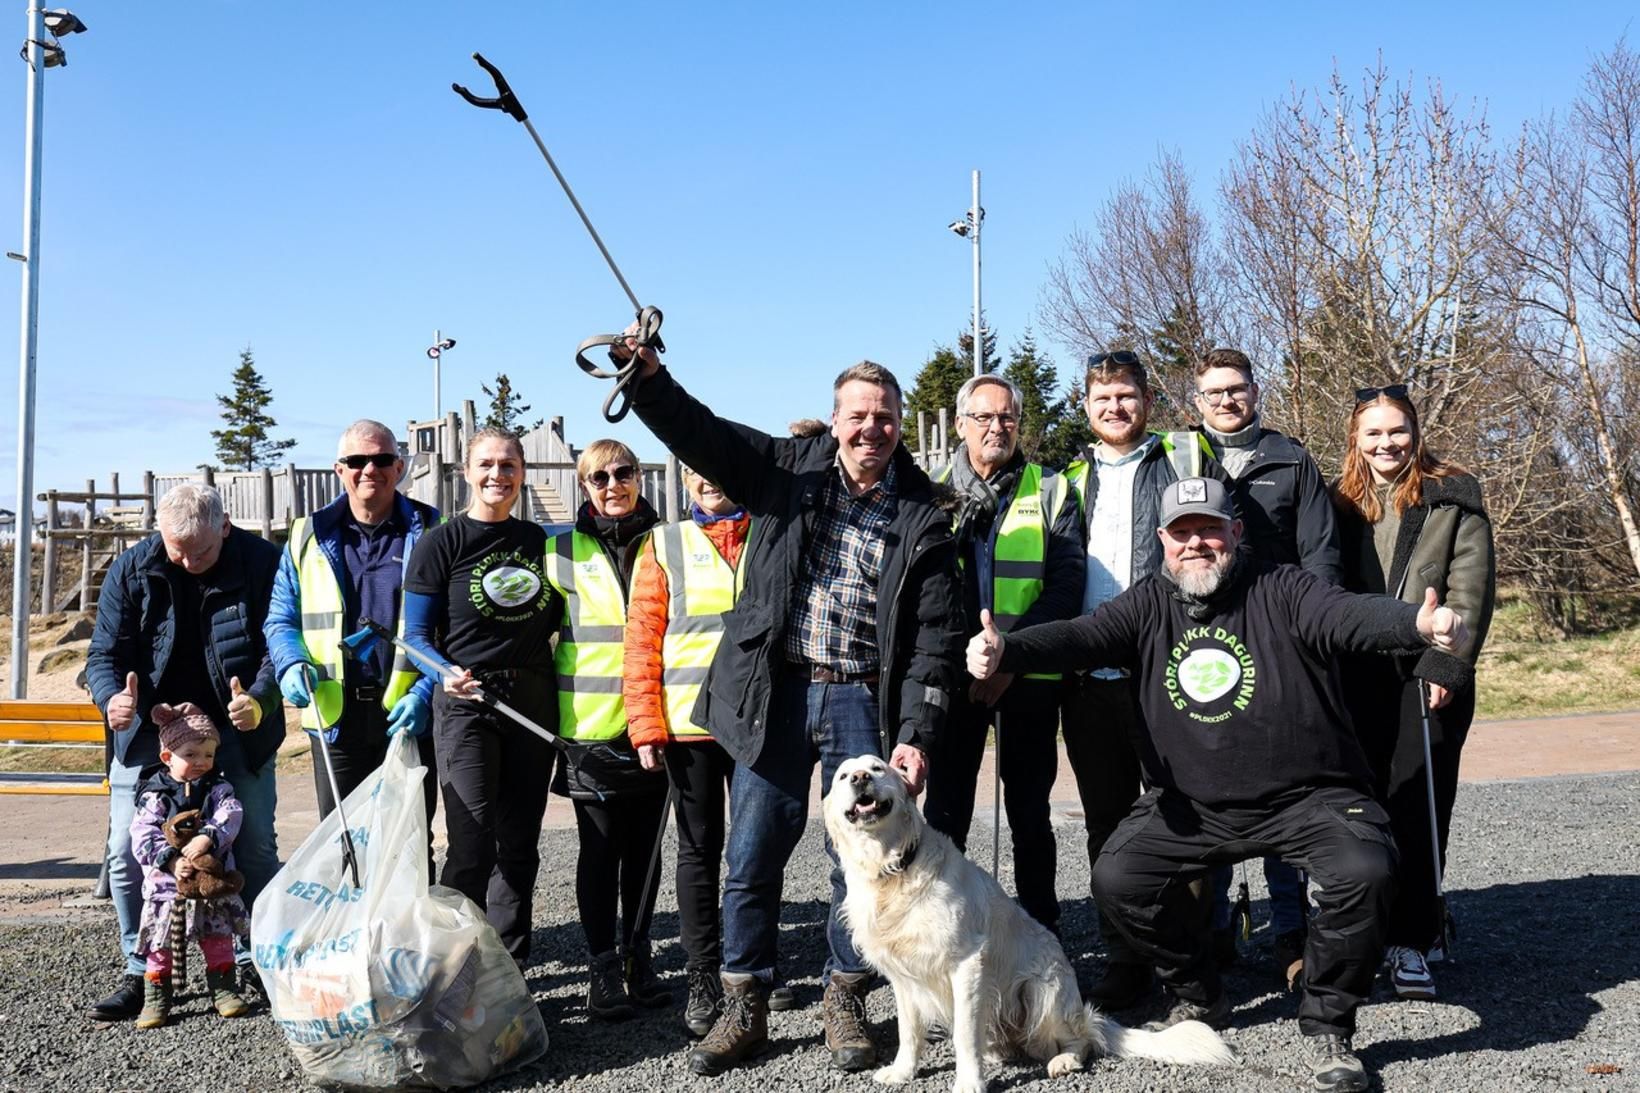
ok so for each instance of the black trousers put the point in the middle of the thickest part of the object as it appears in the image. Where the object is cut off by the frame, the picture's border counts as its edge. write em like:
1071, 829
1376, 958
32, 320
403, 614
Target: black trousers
1029, 762
494, 773
700, 773
1339, 835
1102, 720
1389, 720
361, 745
617, 842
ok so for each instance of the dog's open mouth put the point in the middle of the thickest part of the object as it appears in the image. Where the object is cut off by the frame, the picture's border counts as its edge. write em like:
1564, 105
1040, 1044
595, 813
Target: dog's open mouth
867, 807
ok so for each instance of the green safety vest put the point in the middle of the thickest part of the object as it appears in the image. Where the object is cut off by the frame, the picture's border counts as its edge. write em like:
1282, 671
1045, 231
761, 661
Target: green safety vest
1019, 546
701, 588
1184, 451
591, 644
322, 609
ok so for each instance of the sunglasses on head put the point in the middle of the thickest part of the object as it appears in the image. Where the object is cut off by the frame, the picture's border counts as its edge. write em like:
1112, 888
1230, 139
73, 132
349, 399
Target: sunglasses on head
380, 460
1394, 390
623, 473
1122, 358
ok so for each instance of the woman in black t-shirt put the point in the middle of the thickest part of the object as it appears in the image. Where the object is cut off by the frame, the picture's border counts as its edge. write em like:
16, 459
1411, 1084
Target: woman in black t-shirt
476, 598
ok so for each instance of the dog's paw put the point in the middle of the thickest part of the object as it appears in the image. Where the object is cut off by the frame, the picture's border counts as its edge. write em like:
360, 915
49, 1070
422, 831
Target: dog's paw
1061, 1065
968, 1085
892, 1075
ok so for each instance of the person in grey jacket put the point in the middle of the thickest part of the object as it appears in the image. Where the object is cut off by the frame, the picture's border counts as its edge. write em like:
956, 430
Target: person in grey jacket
1411, 522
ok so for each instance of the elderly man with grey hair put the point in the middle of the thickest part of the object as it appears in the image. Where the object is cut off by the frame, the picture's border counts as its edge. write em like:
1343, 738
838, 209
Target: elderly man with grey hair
179, 619
346, 562
1020, 549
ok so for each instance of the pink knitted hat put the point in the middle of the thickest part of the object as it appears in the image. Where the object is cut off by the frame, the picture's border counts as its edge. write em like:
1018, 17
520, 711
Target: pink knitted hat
183, 724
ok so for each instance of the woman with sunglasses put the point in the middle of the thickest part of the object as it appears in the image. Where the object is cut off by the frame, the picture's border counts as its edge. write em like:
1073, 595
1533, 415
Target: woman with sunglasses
618, 803
476, 599
1410, 522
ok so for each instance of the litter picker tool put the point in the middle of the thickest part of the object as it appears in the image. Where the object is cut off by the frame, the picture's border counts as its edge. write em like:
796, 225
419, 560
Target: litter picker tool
327, 696
1434, 826
655, 855
996, 791
649, 318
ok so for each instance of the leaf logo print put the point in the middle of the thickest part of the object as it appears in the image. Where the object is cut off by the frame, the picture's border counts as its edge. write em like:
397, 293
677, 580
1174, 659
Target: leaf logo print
1207, 674
510, 586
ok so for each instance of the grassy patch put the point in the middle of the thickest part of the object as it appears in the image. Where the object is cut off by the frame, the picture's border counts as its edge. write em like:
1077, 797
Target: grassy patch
55, 760
1526, 672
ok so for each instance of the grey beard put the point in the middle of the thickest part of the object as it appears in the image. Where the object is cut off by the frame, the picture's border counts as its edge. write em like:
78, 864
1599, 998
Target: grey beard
1196, 589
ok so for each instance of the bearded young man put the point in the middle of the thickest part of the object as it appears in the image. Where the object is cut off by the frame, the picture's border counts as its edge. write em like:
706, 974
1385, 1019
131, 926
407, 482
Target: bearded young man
1247, 750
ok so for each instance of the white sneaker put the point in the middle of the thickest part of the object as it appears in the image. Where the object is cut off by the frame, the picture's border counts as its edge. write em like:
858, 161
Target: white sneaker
1409, 973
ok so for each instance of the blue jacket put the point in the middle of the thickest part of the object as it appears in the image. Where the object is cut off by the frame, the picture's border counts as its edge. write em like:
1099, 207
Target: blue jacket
284, 626
135, 629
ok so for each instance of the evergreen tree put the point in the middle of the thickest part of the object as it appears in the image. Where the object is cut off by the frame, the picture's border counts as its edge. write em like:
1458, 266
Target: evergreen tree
243, 445
1067, 431
965, 346
1037, 380
937, 384
507, 408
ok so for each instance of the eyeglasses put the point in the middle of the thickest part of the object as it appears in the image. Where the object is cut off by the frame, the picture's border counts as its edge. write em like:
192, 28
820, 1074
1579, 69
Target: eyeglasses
1217, 396
1394, 390
380, 460
985, 421
623, 473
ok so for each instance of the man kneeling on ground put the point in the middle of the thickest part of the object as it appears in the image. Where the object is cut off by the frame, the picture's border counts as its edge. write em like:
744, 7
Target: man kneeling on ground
1247, 752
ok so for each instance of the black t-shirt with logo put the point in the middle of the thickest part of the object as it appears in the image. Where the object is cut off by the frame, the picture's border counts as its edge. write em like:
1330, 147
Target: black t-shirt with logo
1244, 706
501, 612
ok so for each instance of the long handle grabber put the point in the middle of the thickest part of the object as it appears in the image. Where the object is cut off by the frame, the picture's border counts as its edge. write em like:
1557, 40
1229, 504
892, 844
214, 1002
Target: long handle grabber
350, 853
649, 318
1445, 935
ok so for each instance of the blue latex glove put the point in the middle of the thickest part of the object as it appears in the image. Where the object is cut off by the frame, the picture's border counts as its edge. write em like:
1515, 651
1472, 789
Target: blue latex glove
409, 714
295, 686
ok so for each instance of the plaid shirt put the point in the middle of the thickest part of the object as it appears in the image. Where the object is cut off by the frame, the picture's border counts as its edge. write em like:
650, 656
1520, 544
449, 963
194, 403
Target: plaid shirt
834, 616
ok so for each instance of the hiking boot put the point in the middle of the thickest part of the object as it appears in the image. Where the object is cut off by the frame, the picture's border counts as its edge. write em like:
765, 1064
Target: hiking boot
705, 992
1409, 974
781, 999
843, 1012
223, 984
124, 1003
642, 987
1334, 1066
1122, 987
1289, 952
606, 988
156, 1003
1215, 1014
741, 1030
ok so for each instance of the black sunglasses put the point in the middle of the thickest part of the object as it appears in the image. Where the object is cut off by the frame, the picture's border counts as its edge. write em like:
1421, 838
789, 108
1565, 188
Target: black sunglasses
1394, 390
623, 473
379, 460
1122, 358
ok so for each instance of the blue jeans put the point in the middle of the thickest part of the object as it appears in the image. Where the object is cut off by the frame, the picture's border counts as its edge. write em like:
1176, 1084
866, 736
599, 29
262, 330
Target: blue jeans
768, 807
1289, 905
255, 851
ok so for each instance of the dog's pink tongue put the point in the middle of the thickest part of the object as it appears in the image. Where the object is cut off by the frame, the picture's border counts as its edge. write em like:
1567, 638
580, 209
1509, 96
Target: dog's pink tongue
865, 806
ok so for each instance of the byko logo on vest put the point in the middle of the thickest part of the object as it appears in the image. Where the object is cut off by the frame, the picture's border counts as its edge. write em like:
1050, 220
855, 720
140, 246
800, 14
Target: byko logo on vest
502, 582
1210, 674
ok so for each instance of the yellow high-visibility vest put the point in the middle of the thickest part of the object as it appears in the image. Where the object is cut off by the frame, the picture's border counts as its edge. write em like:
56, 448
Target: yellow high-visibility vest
1184, 450
701, 587
591, 643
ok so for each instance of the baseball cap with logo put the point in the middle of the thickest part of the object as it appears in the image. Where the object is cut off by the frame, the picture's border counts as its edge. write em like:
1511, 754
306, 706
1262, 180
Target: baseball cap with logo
1196, 497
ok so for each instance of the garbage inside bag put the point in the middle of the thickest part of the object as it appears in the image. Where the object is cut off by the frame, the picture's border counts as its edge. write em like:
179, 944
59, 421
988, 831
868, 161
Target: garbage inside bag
394, 983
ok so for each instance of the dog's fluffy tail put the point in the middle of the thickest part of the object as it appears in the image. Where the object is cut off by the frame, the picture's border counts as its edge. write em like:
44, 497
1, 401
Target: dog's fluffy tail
1188, 1043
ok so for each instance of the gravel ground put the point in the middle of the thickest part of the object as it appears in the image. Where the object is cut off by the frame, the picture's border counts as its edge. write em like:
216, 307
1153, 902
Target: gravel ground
1545, 878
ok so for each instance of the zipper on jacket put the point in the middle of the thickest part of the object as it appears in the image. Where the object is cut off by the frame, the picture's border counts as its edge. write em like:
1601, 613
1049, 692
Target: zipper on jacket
917, 553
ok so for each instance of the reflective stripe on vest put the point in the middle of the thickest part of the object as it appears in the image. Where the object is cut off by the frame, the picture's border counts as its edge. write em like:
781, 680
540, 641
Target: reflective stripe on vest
700, 589
590, 645
322, 609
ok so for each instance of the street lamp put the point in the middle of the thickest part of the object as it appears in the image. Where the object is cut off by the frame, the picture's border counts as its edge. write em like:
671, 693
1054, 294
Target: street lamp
436, 352
41, 54
968, 228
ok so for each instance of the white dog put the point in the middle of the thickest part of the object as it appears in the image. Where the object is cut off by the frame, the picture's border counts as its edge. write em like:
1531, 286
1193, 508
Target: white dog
960, 953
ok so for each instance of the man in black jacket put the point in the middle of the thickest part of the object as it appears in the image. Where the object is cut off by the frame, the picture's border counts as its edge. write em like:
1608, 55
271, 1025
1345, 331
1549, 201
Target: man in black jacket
1288, 513
845, 638
179, 620
1248, 750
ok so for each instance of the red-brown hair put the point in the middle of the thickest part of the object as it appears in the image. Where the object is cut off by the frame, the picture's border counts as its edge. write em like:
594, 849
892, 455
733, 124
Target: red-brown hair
1357, 490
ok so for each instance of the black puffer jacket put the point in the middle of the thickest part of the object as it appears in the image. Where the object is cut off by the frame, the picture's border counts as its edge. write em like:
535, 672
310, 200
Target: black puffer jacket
1284, 503
779, 480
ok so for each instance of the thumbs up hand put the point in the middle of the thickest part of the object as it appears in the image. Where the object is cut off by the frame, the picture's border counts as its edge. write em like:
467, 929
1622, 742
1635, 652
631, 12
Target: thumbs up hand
243, 710
1442, 627
985, 648
122, 707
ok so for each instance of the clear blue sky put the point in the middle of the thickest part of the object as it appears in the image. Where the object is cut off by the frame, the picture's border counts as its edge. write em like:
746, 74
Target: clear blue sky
298, 177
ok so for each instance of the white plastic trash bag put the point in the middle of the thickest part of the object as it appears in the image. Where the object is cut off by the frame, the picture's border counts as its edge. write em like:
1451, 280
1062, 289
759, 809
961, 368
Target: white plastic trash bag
393, 983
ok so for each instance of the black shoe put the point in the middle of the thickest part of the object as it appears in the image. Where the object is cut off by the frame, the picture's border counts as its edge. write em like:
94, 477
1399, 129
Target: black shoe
1216, 1014
782, 999
606, 988
250, 984
705, 992
1122, 987
642, 987
1334, 1066
124, 1004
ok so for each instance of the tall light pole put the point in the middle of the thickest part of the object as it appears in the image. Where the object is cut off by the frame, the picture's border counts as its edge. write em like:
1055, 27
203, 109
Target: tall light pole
41, 54
969, 227
436, 353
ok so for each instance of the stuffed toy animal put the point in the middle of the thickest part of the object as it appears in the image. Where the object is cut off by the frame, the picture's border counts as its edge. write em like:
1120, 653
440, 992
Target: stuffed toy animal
208, 880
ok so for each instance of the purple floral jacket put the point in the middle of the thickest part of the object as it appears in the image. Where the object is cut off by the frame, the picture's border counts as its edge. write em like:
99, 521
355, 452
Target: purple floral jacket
159, 797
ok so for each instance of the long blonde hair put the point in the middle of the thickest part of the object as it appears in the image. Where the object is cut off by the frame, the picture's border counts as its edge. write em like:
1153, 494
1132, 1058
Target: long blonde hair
1356, 491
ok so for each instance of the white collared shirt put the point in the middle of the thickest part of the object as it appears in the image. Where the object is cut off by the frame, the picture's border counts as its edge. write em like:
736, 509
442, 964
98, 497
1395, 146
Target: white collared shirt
1110, 530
